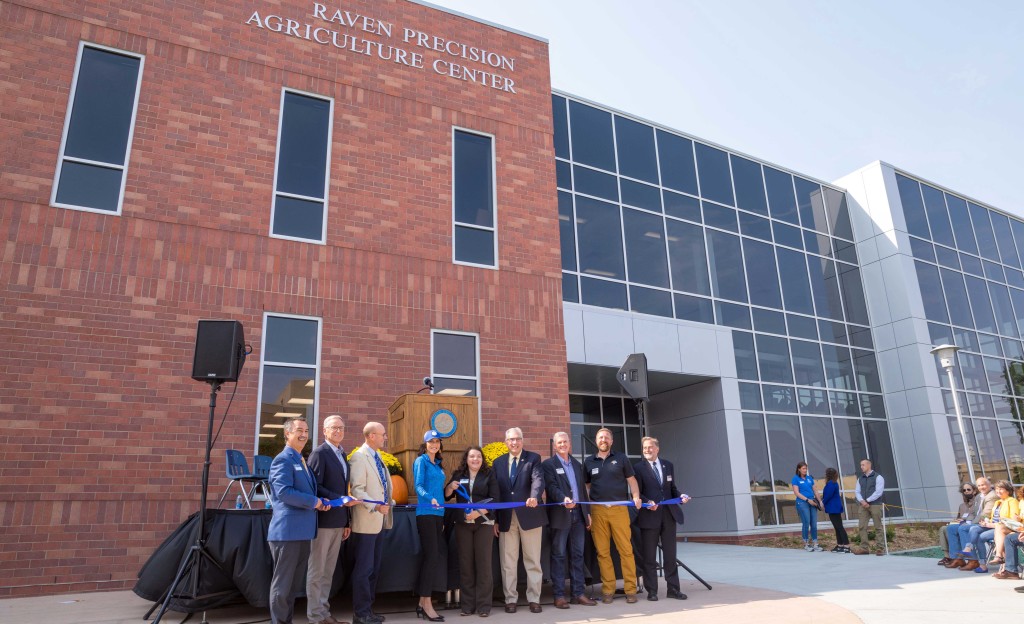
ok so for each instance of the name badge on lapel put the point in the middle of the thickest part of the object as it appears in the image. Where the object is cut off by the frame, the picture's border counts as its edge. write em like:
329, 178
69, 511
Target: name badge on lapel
668, 478
595, 471
298, 468
559, 471
463, 480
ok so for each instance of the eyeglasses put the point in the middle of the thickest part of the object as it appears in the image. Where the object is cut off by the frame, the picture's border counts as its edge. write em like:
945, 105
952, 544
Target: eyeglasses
335, 428
967, 491
513, 439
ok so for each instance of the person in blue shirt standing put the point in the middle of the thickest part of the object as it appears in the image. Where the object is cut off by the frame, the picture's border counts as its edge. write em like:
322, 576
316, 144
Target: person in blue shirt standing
807, 505
428, 479
833, 502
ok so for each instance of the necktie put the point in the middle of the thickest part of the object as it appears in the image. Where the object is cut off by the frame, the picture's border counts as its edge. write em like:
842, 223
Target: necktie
514, 470
341, 458
657, 472
382, 473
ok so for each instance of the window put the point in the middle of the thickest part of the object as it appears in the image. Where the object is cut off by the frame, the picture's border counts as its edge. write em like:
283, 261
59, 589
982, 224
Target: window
289, 378
473, 192
98, 130
454, 361
303, 160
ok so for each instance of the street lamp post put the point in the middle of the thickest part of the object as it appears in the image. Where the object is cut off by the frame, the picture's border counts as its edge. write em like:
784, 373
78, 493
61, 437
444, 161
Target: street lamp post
947, 359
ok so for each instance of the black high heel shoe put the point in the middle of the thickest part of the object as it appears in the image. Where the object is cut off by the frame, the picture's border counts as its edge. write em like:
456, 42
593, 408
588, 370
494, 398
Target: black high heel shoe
421, 614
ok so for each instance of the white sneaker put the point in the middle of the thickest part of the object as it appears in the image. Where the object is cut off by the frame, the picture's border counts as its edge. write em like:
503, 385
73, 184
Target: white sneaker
816, 548
808, 548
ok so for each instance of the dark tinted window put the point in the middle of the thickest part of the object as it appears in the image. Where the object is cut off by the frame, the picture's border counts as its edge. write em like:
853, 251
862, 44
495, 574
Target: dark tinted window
956, 296
713, 167
600, 239
762, 274
807, 364
781, 200
591, 131
785, 442
977, 294
756, 444
454, 354
650, 301
640, 195
291, 341
645, 249
971, 264
961, 220
825, 286
688, 259
298, 217
566, 231
570, 288
867, 371
838, 213
851, 447
787, 235
938, 217
302, 159
474, 246
773, 359
561, 120
811, 204
983, 230
750, 396
802, 326
474, 193
563, 173
675, 156
682, 206
595, 183
732, 315
778, 399
838, 367
1005, 321
1018, 235
749, 185
913, 206
635, 142
821, 445
726, 266
769, 321
752, 225
719, 216
602, 293
89, 186
880, 451
853, 294
931, 292
922, 249
691, 308
1004, 237
101, 114
746, 359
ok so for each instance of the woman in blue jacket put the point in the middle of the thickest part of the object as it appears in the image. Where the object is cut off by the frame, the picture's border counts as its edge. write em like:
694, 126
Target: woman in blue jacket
428, 477
833, 502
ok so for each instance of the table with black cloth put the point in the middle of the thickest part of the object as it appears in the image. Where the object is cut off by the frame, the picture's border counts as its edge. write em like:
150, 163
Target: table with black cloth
237, 541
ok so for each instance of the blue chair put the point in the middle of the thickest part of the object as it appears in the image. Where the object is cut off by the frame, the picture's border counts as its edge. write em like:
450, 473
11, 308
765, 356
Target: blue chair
261, 468
237, 470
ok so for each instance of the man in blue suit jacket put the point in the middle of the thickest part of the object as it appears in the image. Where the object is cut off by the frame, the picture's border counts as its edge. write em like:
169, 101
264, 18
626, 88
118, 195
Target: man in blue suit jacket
520, 479
293, 525
656, 478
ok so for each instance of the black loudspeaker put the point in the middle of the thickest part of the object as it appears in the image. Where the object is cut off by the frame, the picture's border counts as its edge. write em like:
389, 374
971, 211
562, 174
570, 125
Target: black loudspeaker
220, 351
633, 376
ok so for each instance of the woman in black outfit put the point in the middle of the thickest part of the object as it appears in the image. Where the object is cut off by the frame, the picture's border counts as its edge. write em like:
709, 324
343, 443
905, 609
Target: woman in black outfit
833, 502
474, 531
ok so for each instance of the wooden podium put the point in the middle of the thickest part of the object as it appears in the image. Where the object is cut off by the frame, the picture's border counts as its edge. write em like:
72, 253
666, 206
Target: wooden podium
409, 417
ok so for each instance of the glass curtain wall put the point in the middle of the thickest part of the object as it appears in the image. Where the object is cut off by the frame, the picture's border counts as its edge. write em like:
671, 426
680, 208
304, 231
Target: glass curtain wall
968, 261
659, 223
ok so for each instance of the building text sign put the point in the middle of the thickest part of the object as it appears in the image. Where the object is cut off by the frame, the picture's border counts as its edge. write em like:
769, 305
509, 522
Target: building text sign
367, 35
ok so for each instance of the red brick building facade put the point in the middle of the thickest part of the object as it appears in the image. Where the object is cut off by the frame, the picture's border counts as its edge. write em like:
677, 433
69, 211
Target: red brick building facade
103, 428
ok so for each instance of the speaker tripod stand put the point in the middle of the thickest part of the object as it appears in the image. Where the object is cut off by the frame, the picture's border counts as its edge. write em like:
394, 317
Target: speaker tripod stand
192, 565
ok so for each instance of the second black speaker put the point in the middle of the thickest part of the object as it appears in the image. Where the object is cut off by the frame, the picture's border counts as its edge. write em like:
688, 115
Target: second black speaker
220, 351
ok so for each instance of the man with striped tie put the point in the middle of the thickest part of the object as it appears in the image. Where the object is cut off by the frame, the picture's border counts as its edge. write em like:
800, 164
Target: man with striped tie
368, 481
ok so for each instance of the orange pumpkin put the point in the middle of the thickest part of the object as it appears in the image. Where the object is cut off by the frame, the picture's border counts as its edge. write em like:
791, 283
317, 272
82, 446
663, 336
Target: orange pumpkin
399, 490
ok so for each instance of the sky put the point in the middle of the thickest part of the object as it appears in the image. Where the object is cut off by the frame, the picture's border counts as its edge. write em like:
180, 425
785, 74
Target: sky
934, 87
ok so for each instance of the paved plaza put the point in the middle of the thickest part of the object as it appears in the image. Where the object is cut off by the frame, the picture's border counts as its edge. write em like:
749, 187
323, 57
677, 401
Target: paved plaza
769, 585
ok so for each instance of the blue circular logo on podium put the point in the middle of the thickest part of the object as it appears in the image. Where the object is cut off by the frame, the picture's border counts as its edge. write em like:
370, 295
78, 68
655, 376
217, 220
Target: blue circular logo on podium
444, 422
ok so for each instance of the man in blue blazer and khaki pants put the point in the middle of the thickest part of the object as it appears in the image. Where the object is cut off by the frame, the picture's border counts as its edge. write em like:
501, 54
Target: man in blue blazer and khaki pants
293, 525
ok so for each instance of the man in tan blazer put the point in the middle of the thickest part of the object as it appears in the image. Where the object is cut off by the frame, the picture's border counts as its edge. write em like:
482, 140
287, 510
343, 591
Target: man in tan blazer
368, 481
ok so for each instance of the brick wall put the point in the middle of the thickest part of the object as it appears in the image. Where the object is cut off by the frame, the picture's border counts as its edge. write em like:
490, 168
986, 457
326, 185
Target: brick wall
103, 428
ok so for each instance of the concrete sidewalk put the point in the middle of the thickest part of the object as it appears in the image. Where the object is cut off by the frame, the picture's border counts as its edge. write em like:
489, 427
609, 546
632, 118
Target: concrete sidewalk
771, 585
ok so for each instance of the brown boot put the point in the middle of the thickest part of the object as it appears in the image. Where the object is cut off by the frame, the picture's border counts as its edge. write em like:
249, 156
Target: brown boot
956, 563
971, 565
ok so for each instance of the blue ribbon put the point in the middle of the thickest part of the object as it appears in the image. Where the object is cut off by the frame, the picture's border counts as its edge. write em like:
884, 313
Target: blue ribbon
338, 502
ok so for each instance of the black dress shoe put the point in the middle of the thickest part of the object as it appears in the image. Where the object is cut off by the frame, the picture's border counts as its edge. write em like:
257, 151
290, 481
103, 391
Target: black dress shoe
652, 596
510, 607
675, 593
535, 607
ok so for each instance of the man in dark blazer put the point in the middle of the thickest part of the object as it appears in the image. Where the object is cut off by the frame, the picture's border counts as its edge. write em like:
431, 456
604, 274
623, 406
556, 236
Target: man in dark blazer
293, 525
520, 479
563, 478
330, 468
656, 478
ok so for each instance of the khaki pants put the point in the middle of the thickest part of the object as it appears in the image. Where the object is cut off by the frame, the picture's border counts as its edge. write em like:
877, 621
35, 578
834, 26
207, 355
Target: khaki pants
323, 556
873, 512
607, 524
509, 543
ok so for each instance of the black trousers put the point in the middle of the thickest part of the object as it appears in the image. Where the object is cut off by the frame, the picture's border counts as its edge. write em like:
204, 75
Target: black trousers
429, 529
476, 542
666, 534
837, 523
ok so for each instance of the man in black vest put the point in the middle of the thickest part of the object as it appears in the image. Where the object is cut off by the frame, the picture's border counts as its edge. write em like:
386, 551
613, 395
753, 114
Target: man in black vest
328, 464
656, 478
520, 479
870, 486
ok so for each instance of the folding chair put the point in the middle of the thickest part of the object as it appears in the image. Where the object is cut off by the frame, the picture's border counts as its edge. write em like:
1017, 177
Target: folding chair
237, 469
